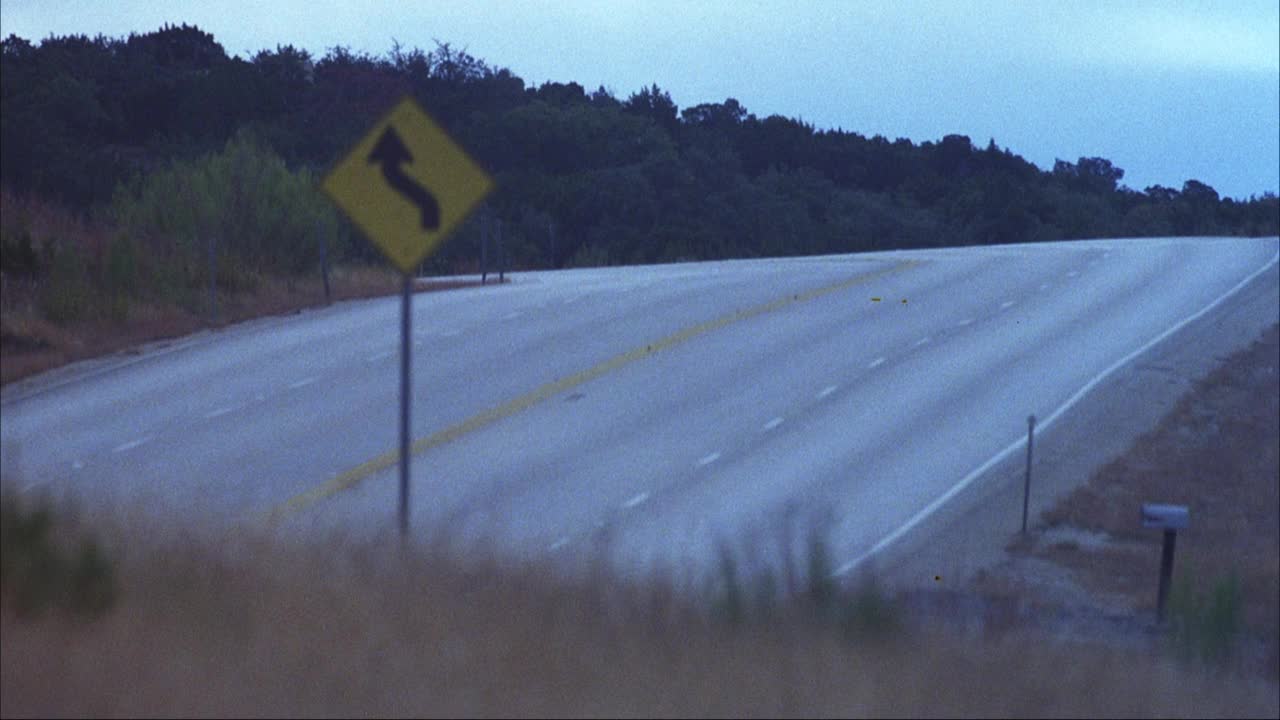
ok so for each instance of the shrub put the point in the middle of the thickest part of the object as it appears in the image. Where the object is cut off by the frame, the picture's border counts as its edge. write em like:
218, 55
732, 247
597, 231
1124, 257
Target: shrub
67, 295
17, 253
1205, 626
259, 215
36, 573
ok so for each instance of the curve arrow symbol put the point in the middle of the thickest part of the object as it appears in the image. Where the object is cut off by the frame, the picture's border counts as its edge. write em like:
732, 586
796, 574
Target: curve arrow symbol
391, 153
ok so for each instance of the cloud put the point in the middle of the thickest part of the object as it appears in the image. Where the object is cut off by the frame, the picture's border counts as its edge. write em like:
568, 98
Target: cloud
1178, 38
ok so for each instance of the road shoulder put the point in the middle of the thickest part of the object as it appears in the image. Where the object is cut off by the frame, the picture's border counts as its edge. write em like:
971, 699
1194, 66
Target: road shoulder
1198, 406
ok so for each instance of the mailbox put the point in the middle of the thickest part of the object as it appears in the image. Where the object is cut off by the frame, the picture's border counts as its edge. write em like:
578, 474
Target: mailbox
1170, 519
1165, 517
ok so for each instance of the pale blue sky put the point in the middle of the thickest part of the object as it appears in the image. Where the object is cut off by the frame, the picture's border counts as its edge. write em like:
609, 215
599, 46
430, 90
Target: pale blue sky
1166, 90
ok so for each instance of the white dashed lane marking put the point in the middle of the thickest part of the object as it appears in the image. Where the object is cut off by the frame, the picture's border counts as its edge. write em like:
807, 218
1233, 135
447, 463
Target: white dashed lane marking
922, 341
826, 391
304, 382
635, 501
1006, 304
773, 423
966, 321
875, 363
558, 544
219, 412
123, 447
709, 459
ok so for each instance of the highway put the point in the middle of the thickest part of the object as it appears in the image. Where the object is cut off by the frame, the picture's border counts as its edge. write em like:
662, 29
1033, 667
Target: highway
657, 411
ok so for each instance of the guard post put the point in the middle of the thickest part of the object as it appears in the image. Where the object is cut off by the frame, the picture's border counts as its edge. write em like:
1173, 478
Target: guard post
1171, 519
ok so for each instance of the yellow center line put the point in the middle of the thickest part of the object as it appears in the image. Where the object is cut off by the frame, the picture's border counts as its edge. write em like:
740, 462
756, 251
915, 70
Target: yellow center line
359, 473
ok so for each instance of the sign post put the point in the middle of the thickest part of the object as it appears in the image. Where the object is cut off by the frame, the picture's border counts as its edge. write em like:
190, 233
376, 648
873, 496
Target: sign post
406, 347
407, 186
1026, 483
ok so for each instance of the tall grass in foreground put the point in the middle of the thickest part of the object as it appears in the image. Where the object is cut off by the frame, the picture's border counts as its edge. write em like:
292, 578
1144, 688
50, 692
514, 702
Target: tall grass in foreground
209, 623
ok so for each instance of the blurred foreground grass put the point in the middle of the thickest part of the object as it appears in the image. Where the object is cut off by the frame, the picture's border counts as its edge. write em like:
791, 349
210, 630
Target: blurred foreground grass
200, 623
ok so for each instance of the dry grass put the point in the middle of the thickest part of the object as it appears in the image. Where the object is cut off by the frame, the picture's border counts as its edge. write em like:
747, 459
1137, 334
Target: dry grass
31, 344
231, 625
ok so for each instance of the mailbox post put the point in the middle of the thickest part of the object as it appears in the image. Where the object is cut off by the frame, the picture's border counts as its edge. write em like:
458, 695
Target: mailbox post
1171, 519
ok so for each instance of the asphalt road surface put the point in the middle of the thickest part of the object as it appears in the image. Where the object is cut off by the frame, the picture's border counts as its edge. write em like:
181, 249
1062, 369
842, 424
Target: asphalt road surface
659, 412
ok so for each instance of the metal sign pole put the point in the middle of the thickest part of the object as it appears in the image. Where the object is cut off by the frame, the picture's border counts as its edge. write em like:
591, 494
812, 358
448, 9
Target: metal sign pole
1026, 484
484, 246
406, 185
213, 279
324, 263
406, 308
502, 256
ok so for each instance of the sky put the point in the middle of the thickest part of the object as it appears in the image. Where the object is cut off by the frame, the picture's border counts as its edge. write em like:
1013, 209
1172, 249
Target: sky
1169, 90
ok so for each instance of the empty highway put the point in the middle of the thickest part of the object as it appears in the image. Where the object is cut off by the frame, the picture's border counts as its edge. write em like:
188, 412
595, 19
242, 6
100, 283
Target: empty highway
671, 407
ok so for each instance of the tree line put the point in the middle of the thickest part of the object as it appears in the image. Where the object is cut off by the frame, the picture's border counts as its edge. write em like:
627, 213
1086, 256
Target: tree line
128, 129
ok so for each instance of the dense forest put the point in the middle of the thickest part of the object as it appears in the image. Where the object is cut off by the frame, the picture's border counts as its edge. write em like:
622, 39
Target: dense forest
166, 138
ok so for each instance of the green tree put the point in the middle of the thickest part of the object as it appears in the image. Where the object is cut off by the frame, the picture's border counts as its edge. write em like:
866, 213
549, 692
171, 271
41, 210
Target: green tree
656, 105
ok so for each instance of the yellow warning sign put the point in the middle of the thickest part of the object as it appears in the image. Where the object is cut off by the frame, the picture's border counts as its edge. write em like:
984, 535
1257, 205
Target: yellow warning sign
407, 185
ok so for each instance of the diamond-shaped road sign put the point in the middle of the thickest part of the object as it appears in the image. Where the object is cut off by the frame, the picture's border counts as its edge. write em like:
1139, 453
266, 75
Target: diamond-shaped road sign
407, 185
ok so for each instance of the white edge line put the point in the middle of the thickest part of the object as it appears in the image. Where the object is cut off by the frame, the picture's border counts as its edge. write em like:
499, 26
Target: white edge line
1021, 441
